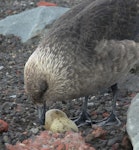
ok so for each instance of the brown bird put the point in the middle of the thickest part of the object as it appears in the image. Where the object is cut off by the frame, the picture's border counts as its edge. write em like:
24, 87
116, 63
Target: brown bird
87, 50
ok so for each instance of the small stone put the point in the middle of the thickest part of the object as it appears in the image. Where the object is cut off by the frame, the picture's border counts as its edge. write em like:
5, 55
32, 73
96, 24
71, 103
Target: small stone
1, 67
106, 94
6, 139
115, 146
92, 97
7, 106
114, 140
34, 130
34, 123
90, 104
31, 3
98, 132
12, 96
89, 138
3, 126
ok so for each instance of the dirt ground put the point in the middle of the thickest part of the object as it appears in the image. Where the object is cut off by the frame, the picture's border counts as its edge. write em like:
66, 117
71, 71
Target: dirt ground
20, 113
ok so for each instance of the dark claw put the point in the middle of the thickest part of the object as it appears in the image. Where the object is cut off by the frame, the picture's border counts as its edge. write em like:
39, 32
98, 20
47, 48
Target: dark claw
84, 119
111, 120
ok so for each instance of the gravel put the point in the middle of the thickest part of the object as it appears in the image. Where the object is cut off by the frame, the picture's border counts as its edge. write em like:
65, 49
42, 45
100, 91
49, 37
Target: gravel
20, 113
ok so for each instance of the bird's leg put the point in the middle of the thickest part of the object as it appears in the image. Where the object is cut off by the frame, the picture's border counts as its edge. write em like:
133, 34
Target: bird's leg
84, 118
112, 119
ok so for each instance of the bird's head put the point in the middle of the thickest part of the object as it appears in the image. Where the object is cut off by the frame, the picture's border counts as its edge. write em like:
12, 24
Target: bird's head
44, 83
35, 87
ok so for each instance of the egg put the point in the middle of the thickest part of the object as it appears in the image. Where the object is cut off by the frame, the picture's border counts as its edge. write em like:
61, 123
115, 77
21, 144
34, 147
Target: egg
57, 121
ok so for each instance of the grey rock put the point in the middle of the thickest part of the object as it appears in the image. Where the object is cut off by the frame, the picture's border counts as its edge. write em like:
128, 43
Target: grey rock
6, 139
34, 130
12, 96
30, 23
114, 140
6, 106
133, 122
1, 67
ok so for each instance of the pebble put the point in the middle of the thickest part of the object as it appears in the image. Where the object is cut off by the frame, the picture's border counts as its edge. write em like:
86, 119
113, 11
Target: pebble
12, 96
1, 67
90, 104
6, 106
114, 140
106, 94
34, 130
3, 126
6, 139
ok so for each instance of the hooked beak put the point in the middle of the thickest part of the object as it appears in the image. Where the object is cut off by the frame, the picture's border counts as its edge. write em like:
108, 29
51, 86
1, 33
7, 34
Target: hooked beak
41, 113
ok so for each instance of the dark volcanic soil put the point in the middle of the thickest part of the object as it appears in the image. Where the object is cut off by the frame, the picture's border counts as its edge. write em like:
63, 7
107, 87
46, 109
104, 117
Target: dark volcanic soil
20, 113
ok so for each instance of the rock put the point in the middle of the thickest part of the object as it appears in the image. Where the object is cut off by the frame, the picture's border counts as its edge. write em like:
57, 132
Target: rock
6, 105
6, 139
98, 132
3, 126
48, 140
1, 67
34, 130
114, 140
12, 96
30, 23
43, 3
133, 122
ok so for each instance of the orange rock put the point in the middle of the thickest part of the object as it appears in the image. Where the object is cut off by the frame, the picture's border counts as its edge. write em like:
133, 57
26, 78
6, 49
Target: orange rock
45, 149
61, 147
3, 126
46, 141
43, 3
105, 114
67, 147
98, 132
